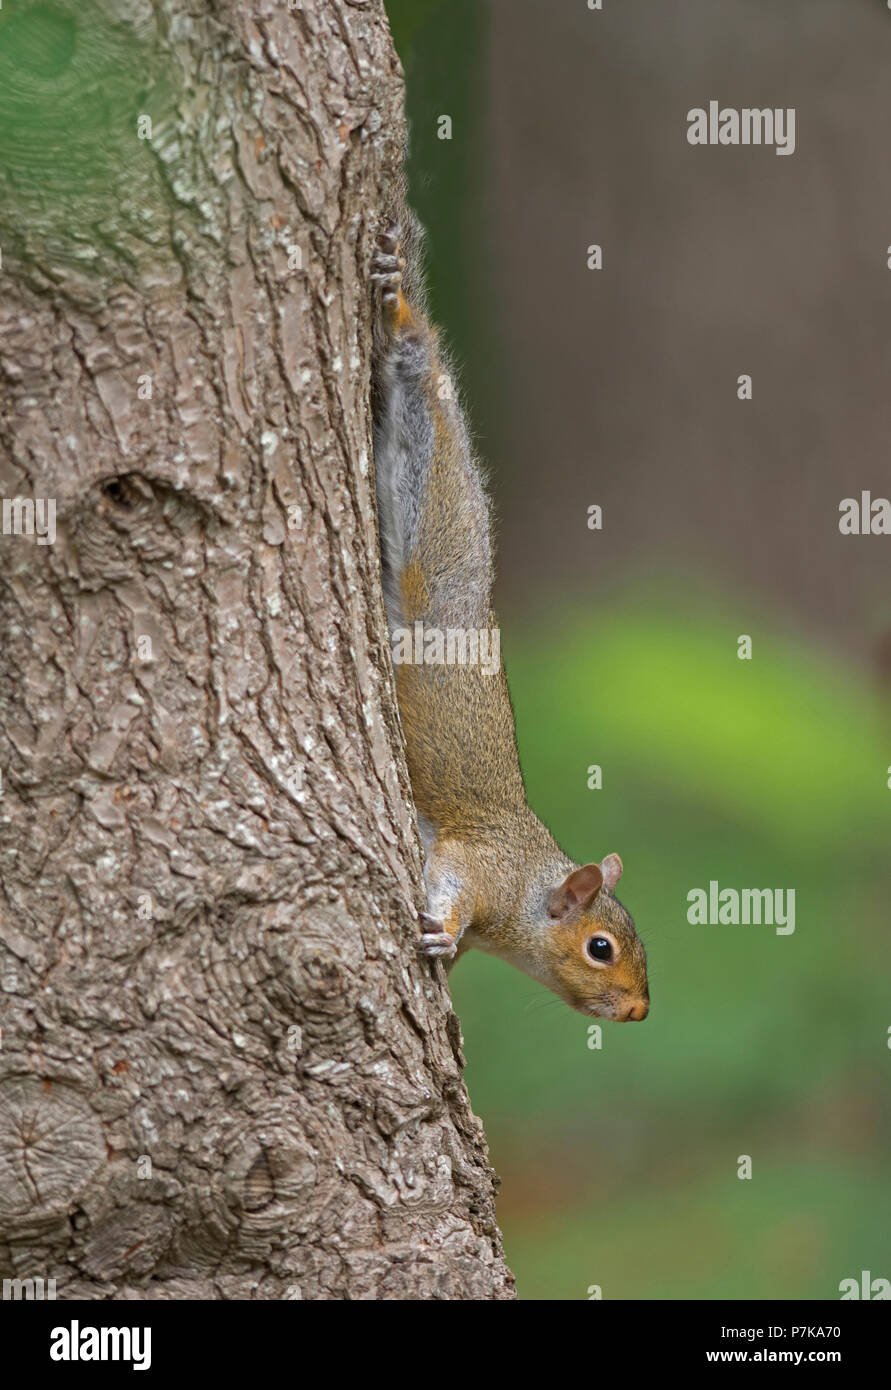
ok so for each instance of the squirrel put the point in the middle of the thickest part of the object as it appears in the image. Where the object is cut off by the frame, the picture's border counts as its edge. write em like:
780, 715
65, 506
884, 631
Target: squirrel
494, 877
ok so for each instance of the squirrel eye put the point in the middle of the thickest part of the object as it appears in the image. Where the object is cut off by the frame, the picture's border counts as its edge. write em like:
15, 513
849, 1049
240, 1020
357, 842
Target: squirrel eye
599, 948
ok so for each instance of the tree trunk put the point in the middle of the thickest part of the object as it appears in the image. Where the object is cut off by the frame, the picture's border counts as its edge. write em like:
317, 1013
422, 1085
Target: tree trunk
223, 1073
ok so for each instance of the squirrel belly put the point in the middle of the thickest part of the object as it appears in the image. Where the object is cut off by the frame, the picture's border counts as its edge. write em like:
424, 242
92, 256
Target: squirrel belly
495, 878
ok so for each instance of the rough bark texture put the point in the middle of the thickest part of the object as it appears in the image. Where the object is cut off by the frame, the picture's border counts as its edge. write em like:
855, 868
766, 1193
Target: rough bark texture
224, 1073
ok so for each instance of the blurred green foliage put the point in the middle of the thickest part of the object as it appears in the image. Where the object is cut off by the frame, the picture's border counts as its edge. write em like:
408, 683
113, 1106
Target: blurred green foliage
442, 47
619, 1165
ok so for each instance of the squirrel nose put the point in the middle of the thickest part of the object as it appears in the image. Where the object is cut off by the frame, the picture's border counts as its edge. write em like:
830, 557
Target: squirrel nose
638, 1011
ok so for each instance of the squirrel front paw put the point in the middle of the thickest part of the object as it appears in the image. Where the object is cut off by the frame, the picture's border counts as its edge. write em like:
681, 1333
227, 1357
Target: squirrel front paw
435, 940
387, 266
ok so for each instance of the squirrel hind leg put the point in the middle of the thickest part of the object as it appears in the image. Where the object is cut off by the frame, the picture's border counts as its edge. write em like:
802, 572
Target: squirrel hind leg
404, 362
387, 267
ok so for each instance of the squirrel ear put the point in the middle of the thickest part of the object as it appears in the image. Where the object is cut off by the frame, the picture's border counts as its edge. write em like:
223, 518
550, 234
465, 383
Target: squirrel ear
611, 868
578, 889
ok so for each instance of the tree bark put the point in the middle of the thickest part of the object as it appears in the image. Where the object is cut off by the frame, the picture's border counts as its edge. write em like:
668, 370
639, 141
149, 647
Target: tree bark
223, 1071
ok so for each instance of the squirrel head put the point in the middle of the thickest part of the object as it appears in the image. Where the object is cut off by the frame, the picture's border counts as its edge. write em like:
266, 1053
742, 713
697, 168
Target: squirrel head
596, 960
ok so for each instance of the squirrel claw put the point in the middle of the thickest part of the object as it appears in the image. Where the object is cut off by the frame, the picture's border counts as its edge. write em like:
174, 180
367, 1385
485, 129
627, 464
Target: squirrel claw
436, 942
388, 239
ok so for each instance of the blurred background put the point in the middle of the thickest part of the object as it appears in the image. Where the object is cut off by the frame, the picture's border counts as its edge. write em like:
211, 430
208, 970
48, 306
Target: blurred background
618, 387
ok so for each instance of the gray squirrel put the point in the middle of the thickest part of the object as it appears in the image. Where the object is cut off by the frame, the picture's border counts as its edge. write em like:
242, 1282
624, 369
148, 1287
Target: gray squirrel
495, 878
